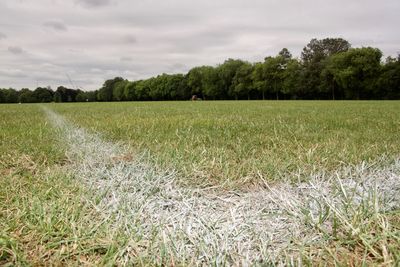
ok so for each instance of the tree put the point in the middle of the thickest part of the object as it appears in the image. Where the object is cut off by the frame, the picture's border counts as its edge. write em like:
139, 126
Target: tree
242, 82
174, 86
285, 54
389, 79
317, 50
273, 74
10, 95
43, 95
226, 72
106, 91
129, 91
154, 87
259, 79
143, 89
2, 97
91, 96
195, 80
274, 71
57, 97
314, 57
118, 90
83, 96
183, 91
292, 79
63, 94
162, 87
356, 71
26, 96
211, 85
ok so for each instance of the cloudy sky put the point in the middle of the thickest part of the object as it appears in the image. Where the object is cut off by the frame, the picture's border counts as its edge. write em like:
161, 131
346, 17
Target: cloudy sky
43, 42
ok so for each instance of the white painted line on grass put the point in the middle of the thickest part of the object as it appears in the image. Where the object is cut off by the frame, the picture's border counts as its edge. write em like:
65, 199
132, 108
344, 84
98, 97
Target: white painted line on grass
196, 226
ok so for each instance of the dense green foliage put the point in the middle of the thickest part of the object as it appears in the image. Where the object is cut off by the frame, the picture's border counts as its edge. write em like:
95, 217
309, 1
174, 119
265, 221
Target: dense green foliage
328, 69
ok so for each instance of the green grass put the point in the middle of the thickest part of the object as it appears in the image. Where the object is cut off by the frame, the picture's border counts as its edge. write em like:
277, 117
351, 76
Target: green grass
44, 215
235, 142
24, 132
47, 216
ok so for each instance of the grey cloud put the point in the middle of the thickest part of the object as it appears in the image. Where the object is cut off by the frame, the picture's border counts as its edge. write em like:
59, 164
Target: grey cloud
154, 20
15, 73
139, 39
94, 3
15, 50
2, 36
126, 58
129, 39
177, 67
56, 25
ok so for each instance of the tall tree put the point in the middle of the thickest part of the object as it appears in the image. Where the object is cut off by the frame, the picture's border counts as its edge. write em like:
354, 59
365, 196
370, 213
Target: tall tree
142, 89
106, 91
389, 80
42, 94
212, 86
273, 74
242, 82
259, 78
226, 72
2, 98
292, 83
183, 91
63, 94
10, 95
314, 57
195, 80
357, 71
274, 71
118, 90
130, 91
317, 50
174, 86
285, 54
26, 96
81, 96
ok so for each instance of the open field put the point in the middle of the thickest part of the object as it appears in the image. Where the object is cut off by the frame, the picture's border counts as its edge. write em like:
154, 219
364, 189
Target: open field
224, 142
200, 183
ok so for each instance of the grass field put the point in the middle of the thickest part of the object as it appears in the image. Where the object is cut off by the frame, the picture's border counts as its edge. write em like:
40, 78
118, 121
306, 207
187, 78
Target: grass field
200, 183
44, 217
224, 142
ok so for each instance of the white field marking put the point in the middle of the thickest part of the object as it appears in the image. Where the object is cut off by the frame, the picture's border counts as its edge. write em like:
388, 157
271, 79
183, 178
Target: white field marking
202, 227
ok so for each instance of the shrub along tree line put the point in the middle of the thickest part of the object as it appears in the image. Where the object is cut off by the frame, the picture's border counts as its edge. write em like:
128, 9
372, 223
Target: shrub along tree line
327, 69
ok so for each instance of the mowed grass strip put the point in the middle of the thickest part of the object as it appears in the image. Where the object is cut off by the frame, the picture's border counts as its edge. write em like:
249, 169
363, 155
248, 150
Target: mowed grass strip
236, 142
44, 218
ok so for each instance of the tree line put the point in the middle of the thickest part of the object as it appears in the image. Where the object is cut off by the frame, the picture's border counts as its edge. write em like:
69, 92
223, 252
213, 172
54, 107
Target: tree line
327, 69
